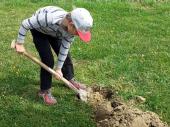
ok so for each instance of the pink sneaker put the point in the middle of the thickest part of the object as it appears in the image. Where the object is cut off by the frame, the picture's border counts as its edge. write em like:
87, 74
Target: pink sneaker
47, 97
77, 84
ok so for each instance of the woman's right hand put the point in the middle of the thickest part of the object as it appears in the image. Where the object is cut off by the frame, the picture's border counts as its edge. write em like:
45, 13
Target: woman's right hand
19, 47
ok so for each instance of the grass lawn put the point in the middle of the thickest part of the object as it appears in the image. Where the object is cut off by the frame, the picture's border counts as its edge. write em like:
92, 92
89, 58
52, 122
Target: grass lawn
130, 52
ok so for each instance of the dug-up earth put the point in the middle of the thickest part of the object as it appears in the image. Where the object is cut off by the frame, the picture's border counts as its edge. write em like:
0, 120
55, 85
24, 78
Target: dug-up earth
111, 112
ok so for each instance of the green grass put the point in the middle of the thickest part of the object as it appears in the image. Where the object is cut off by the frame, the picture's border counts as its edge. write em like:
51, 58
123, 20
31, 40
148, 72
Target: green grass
130, 51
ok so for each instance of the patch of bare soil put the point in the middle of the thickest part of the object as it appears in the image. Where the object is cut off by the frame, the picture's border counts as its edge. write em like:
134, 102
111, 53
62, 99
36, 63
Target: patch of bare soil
112, 112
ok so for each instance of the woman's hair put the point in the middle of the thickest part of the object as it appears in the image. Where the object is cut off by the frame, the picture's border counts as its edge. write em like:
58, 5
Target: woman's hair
68, 17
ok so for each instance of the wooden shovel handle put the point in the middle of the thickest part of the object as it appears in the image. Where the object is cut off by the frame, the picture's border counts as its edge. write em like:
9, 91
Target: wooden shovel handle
34, 59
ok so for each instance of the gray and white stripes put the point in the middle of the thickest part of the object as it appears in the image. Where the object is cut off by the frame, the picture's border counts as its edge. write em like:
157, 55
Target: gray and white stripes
47, 20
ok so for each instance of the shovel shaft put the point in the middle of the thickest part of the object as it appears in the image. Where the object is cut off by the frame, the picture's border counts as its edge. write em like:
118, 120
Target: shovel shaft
34, 59
82, 94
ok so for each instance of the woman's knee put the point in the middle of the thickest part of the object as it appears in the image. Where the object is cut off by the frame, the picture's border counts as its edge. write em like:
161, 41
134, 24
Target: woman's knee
48, 60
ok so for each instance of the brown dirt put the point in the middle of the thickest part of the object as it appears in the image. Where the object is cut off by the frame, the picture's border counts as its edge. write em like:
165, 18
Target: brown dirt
109, 111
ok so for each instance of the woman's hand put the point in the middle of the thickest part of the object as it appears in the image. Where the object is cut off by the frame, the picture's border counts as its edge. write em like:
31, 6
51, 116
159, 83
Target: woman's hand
60, 74
19, 47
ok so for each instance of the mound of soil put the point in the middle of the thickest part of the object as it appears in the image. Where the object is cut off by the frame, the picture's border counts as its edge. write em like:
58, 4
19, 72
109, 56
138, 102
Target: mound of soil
112, 112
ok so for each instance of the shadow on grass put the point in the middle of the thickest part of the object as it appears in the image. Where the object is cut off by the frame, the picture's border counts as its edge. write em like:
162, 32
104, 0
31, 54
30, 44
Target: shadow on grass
19, 105
28, 88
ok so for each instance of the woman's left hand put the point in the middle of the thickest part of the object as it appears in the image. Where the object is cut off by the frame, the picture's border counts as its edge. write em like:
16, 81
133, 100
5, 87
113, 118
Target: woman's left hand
60, 74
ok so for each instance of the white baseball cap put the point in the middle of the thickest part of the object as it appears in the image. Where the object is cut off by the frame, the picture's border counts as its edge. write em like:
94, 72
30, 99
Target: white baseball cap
83, 21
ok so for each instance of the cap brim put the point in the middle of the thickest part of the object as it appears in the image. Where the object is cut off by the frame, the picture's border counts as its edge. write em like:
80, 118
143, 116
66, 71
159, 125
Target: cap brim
86, 37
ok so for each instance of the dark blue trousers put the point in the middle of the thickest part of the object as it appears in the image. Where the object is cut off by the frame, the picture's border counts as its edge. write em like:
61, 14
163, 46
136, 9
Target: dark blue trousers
44, 43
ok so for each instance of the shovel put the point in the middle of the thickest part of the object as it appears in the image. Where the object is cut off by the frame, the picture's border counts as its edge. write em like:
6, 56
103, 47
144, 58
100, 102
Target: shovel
82, 94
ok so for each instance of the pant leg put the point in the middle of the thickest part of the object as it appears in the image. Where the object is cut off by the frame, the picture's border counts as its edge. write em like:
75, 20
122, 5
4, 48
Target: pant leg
67, 69
43, 47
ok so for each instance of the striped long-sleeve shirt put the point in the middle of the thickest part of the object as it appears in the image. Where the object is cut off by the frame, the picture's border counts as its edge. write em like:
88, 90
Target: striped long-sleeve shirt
47, 20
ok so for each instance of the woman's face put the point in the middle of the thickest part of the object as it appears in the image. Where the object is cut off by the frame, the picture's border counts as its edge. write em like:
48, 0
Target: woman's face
71, 28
